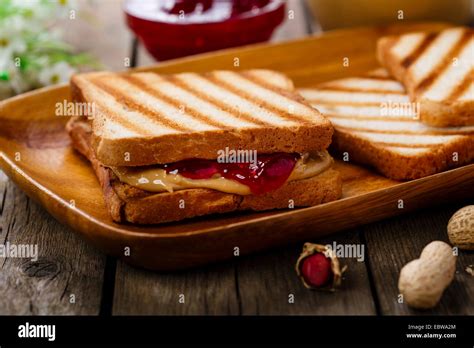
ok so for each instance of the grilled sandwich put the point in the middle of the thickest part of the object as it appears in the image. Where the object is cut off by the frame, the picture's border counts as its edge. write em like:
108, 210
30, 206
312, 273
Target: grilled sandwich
376, 124
437, 70
170, 147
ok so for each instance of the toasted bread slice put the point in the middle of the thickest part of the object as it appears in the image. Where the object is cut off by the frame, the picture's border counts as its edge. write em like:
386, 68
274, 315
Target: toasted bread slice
437, 70
393, 141
146, 118
130, 204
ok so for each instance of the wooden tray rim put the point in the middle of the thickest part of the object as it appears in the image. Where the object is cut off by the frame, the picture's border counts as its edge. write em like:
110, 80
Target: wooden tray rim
29, 183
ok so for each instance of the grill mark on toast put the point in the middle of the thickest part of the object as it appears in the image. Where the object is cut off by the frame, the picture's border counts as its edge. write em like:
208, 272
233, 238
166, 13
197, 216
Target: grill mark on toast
388, 145
284, 114
380, 78
176, 103
430, 132
392, 144
153, 115
333, 112
372, 118
259, 81
444, 63
379, 74
286, 93
413, 57
462, 87
119, 98
316, 101
212, 100
349, 89
374, 131
355, 98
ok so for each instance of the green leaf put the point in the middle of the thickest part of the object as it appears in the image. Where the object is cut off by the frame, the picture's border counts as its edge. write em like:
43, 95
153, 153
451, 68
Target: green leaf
4, 76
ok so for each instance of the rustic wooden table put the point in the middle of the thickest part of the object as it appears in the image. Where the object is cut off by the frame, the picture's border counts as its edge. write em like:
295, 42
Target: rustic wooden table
71, 277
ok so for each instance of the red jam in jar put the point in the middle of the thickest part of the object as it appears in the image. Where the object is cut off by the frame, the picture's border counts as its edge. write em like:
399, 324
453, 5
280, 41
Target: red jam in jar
176, 28
269, 172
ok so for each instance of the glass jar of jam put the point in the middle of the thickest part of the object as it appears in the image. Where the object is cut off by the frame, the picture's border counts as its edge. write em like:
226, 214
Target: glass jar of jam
176, 28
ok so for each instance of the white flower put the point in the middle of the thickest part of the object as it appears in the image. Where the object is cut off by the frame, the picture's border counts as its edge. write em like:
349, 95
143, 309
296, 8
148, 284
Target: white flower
34, 14
10, 45
10, 48
17, 82
27, 4
58, 73
28, 32
15, 24
65, 6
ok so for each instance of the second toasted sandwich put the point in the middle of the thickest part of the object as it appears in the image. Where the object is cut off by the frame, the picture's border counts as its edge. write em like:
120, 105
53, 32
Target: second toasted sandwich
437, 71
376, 124
170, 147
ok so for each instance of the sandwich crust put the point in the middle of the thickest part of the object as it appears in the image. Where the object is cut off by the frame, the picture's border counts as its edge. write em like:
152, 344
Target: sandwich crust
130, 204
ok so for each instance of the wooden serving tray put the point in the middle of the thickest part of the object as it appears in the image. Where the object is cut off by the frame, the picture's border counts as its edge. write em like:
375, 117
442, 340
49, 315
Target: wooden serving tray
35, 154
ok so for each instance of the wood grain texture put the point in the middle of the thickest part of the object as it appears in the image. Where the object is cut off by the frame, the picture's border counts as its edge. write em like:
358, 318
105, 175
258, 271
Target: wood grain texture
65, 266
254, 285
266, 282
207, 291
394, 242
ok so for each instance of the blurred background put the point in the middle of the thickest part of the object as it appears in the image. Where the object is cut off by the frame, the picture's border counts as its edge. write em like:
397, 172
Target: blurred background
43, 42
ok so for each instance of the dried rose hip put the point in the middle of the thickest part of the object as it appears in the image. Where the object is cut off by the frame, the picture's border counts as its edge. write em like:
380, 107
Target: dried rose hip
316, 270
318, 267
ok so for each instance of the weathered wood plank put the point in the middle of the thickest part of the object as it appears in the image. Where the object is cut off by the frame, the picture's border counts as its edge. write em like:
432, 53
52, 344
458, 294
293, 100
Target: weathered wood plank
66, 265
207, 291
394, 242
267, 281
264, 283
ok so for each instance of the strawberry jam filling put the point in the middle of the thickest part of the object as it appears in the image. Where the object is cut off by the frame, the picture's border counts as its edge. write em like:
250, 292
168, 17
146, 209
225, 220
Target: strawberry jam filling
269, 172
